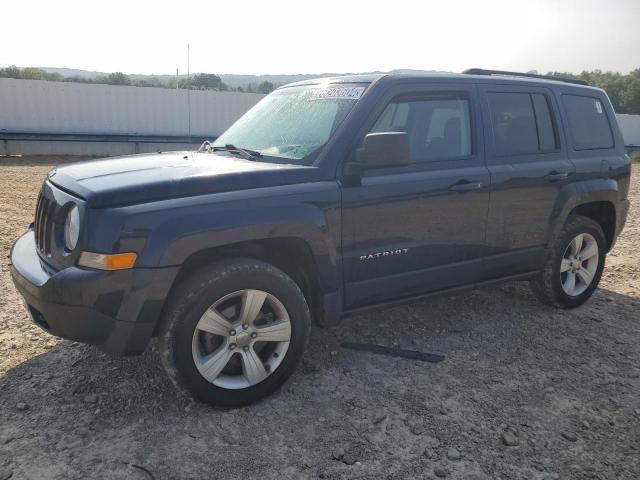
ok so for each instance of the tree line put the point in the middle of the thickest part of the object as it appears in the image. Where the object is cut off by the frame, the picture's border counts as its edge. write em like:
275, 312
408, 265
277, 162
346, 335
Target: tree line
623, 90
198, 81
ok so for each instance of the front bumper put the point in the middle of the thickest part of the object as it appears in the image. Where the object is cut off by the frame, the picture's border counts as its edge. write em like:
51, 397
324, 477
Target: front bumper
117, 311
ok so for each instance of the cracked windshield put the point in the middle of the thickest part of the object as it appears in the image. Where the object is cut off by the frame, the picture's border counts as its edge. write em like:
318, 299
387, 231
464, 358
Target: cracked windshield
292, 124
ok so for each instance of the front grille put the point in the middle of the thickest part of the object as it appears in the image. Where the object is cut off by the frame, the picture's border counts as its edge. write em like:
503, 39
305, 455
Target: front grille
48, 226
43, 225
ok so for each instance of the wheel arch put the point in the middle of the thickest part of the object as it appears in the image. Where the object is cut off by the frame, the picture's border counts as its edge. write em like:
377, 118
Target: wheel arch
594, 199
293, 255
602, 212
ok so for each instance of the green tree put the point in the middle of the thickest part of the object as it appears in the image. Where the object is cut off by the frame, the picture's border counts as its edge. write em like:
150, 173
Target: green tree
10, 72
28, 73
39, 74
118, 78
206, 81
630, 96
265, 87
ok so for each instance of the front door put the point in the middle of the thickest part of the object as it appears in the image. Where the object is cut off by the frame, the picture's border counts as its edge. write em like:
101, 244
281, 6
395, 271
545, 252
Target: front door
418, 228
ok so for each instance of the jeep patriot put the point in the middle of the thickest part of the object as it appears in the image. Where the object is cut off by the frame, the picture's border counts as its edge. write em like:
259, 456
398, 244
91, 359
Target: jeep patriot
328, 197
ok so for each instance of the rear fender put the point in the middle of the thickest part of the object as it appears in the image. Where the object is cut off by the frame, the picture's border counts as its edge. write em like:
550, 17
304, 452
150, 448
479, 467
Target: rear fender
580, 193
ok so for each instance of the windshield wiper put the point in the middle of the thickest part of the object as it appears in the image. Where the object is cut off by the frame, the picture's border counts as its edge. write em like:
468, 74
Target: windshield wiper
243, 152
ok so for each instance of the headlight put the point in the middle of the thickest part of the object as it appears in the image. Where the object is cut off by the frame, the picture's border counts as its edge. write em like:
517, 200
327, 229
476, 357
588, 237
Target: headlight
72, 228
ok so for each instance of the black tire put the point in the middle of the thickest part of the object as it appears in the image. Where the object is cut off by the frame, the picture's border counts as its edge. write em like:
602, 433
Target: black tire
196, 294
547, 285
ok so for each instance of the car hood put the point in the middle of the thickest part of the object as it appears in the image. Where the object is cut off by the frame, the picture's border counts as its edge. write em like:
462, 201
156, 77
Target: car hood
148, 177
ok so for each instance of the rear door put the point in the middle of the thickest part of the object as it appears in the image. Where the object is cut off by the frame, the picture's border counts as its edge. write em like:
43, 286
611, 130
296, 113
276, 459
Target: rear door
529, 166
417, 228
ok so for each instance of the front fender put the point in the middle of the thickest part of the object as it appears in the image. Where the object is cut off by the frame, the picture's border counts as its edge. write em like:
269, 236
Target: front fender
166, 233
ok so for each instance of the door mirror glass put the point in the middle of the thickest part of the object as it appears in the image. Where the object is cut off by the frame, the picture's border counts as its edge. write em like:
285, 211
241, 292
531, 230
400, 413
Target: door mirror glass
385, 149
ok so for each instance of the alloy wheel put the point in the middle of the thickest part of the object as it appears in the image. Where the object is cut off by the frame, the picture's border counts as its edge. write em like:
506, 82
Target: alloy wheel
241, 339
579, 264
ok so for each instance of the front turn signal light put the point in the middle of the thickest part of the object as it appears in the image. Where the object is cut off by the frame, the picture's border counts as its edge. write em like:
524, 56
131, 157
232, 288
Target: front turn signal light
102, 261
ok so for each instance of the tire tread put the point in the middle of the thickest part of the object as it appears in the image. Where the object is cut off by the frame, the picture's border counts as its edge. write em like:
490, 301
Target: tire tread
542, 285
186, 294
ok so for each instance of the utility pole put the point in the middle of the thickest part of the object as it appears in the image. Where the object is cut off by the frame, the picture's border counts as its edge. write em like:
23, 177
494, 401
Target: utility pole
177, 80
188, 90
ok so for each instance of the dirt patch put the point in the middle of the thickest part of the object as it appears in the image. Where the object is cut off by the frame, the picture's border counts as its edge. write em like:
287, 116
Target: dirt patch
525, 391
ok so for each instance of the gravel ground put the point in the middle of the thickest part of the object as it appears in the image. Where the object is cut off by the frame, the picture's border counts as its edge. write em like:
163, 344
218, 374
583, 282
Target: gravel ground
525, 391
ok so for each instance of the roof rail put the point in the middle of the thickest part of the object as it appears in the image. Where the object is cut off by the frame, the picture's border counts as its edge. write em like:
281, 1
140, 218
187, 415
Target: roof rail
481, 71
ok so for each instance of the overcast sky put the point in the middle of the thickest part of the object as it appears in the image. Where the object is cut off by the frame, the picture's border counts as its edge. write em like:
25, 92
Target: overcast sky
297, 36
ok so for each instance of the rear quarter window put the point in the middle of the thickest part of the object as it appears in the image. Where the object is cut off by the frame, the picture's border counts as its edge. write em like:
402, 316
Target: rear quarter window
588, 122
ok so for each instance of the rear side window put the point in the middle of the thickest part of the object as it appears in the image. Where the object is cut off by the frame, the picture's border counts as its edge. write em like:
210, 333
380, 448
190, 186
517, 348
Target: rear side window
522, 124
588, 122
439, 127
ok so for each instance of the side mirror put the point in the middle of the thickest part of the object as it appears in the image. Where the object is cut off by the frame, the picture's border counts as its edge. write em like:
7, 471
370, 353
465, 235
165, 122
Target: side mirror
385, 149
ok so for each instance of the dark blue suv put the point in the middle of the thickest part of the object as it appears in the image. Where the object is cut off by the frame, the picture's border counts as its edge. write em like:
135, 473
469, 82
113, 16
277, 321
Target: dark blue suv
327, 198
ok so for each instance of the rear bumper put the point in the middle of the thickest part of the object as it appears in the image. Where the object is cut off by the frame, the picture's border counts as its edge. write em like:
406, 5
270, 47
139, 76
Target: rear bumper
117, 311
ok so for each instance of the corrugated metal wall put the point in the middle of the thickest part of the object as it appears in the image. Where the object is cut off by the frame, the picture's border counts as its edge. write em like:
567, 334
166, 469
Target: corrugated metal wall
75, 108
630, 127
34, 106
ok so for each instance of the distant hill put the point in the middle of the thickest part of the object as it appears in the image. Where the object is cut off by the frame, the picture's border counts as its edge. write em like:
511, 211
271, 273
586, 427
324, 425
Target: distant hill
72, 72
232, 80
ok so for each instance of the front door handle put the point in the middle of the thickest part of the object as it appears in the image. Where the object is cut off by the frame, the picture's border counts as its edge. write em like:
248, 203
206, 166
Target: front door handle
555, 176
465, 186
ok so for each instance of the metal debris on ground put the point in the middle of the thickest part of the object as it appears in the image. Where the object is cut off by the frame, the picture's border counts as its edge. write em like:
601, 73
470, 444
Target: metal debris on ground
394, 352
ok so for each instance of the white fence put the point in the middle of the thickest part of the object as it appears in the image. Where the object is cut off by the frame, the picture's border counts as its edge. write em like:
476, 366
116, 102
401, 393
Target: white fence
630, 126
40, 117
83, 118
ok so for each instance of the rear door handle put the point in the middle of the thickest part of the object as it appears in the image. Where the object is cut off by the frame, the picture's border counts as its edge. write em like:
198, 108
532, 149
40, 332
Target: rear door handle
555, 176
465, 186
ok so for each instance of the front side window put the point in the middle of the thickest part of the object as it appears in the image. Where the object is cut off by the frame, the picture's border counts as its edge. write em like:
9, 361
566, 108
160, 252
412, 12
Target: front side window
588, 122
438, 126
292, 124
522, 124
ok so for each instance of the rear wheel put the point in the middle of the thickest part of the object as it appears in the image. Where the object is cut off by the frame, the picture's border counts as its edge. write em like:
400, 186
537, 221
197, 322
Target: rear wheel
574, 265
234, 332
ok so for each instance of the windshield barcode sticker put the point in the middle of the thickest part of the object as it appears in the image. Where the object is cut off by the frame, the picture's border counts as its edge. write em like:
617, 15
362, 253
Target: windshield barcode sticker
333, 93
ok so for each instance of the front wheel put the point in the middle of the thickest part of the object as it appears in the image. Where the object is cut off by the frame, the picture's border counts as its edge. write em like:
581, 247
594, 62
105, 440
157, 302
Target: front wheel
574, 265
234, 332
